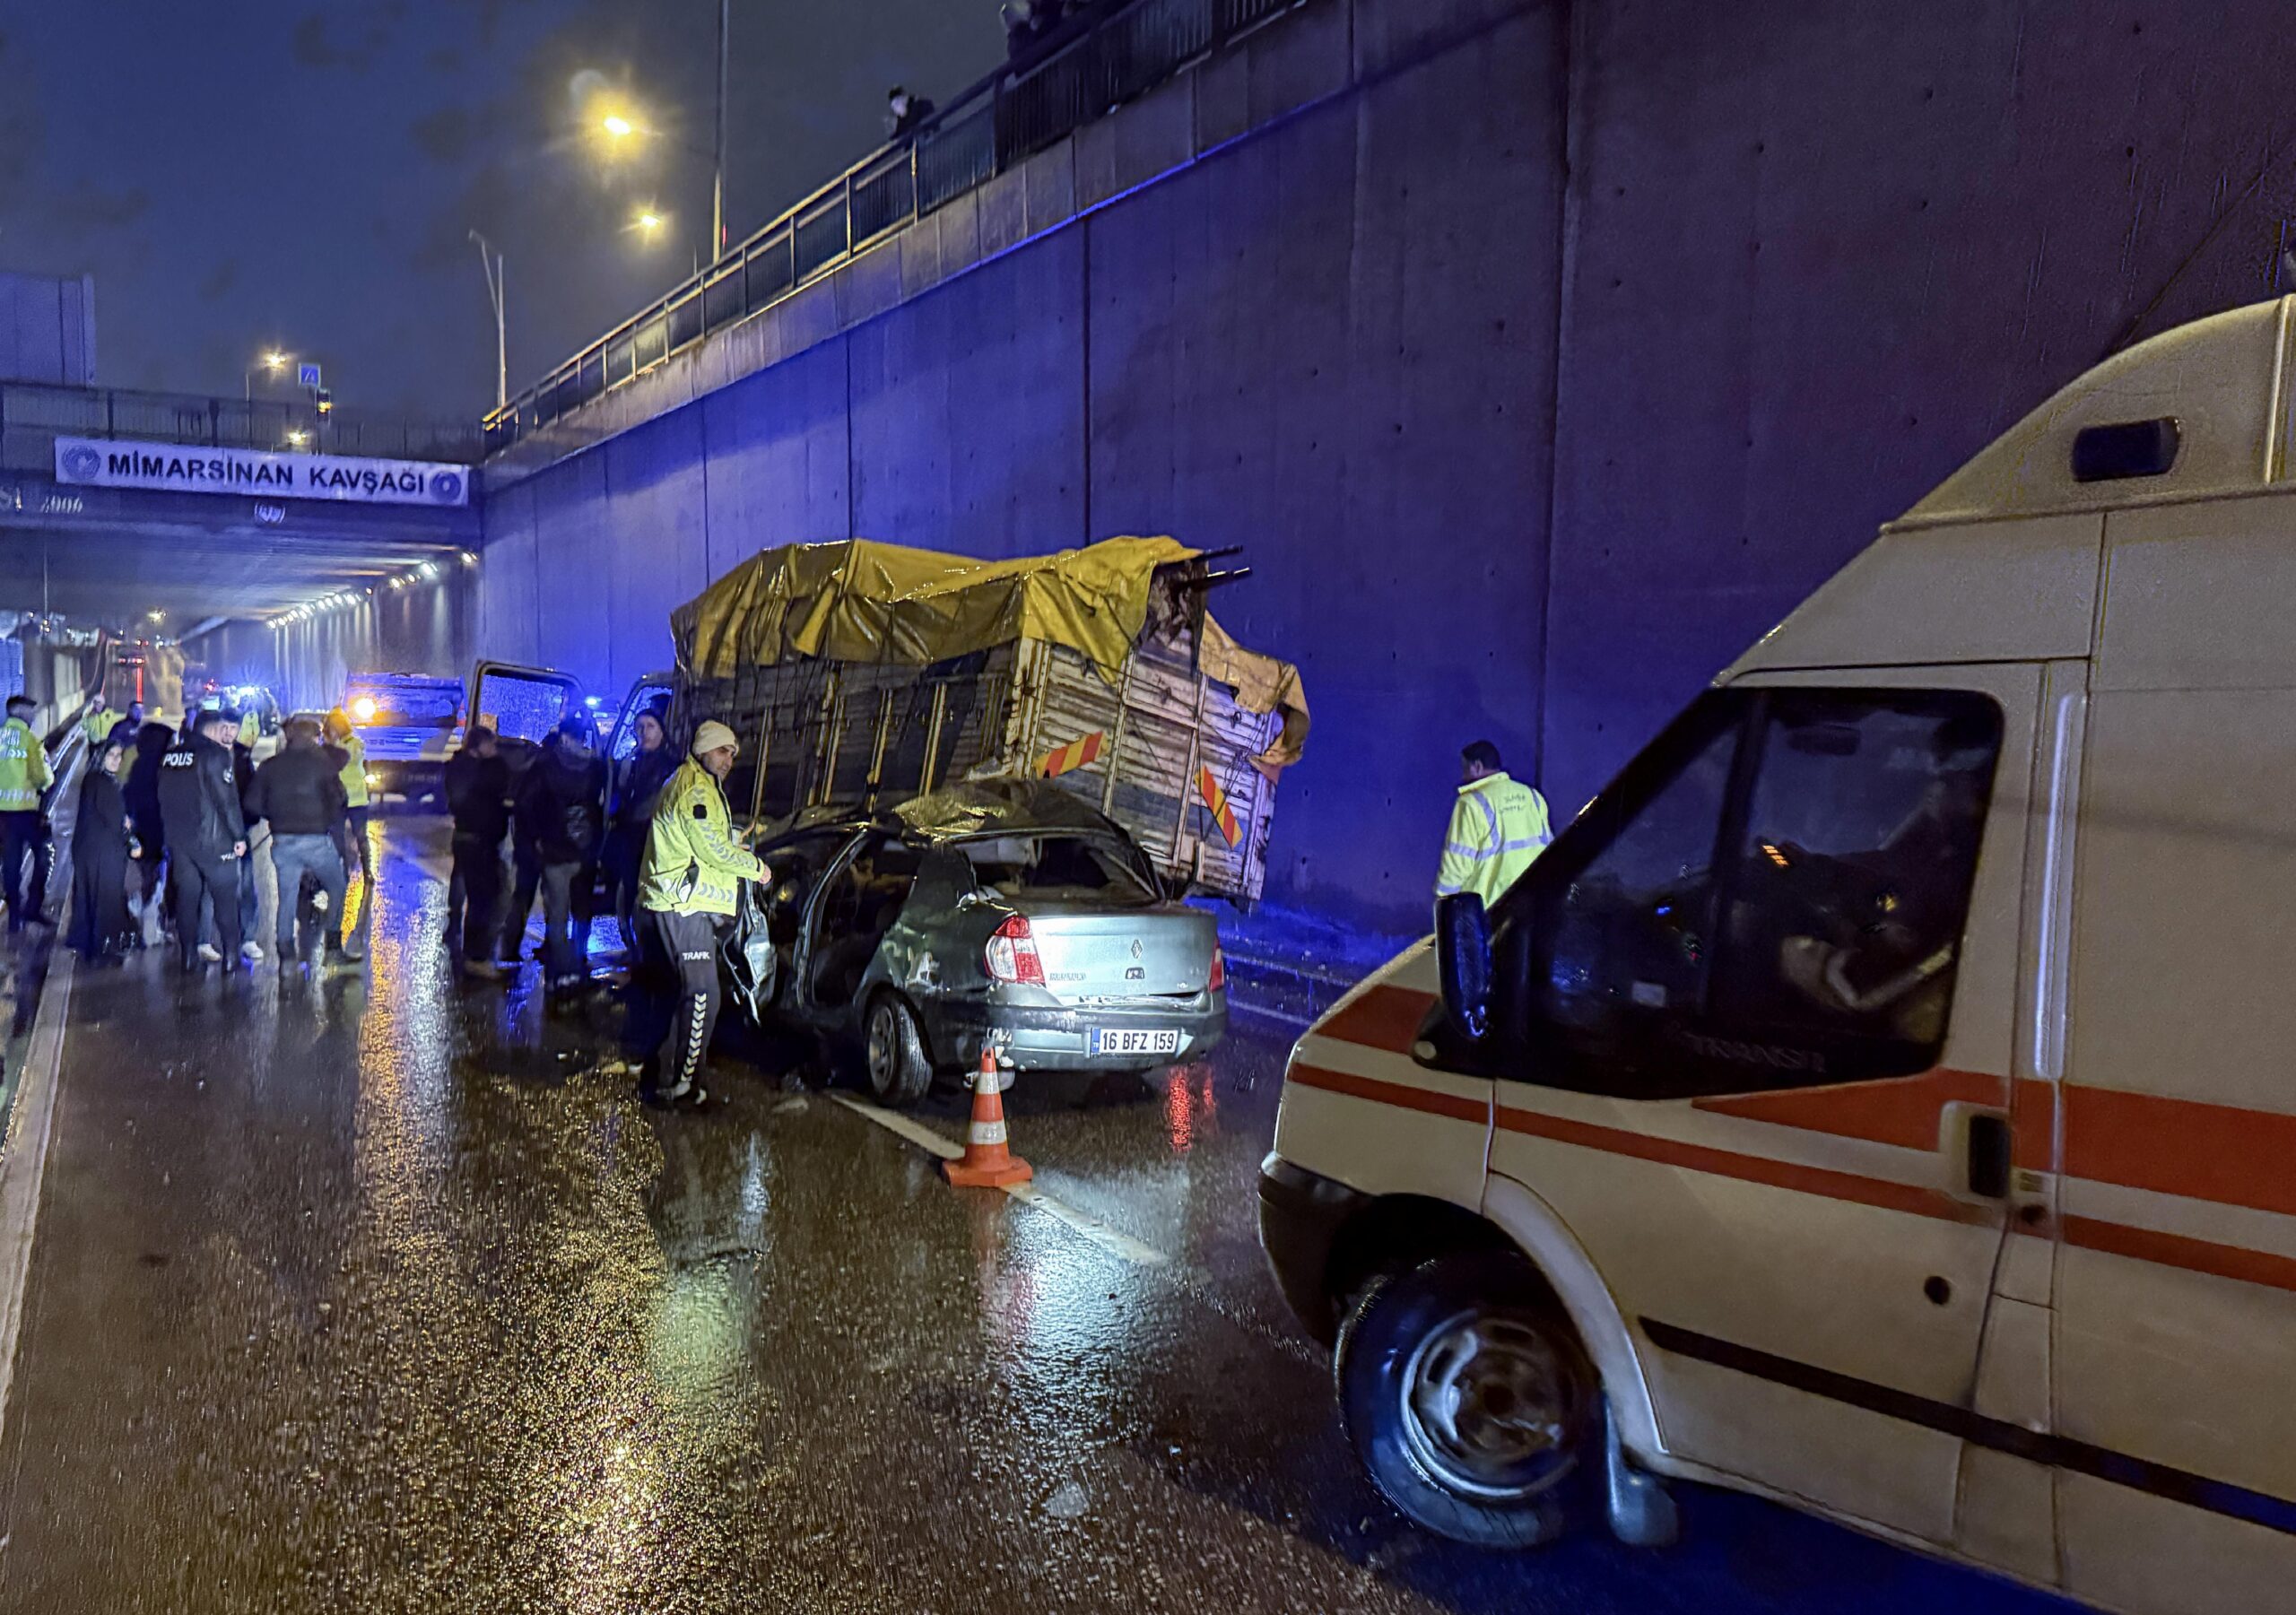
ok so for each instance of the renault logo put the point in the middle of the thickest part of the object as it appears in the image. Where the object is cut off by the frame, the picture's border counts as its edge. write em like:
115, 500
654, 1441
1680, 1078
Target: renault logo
1135, 947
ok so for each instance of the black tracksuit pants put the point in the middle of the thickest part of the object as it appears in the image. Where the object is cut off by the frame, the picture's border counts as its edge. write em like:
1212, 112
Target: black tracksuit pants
690, 942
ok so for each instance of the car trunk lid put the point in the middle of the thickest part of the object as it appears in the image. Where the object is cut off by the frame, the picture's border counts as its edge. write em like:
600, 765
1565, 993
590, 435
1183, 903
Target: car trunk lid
1093, 954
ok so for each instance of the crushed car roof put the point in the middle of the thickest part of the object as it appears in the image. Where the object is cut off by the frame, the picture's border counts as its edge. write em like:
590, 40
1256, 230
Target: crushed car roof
1002, 806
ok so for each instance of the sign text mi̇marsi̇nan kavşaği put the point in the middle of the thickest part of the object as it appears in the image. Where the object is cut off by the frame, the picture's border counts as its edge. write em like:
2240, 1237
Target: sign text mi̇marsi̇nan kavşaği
280, 474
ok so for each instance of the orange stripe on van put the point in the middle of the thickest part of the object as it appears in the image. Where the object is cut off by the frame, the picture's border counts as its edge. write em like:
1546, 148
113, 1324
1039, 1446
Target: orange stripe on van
2177, 1250
1902, 1111
1458, 1107
1747, 1169
1384, 1017
2201, 1152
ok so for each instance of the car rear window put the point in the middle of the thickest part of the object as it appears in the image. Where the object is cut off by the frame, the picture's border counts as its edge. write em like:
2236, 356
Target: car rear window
1057, 866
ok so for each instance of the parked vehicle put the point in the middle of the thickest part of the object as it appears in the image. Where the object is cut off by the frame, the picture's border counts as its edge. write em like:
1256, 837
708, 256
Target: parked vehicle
1878, 1098
411, 725
1002, 910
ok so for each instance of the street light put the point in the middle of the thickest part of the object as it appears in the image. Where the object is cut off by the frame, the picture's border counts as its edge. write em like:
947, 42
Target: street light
298, 438
616, 125
272, 361
495, 294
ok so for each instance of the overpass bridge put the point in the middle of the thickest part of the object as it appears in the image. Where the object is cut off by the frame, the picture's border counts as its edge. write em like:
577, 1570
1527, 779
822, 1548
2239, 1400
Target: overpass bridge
181, 515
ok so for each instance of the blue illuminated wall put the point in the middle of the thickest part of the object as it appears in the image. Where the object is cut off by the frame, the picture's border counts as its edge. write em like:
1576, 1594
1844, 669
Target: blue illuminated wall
1540, 359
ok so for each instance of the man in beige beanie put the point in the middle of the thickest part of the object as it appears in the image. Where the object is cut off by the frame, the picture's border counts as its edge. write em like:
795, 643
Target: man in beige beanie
693, 876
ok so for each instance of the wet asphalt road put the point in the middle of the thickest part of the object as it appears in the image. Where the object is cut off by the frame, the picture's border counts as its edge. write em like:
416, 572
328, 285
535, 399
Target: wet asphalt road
367, 1293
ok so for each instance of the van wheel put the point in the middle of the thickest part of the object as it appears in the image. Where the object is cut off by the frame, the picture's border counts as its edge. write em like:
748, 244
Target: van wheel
1468, 1398
894, 1053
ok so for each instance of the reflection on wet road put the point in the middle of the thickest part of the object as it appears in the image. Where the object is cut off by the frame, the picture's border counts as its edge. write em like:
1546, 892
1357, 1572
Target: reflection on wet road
370, 1292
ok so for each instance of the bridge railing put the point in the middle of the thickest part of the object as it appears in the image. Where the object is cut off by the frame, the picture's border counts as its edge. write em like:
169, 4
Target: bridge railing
1094, 63
34, 415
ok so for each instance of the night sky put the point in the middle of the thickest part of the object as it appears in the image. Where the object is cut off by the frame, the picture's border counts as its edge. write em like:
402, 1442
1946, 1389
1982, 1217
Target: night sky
236, 173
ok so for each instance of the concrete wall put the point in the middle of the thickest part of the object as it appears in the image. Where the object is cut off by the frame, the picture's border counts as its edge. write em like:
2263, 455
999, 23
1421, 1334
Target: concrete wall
48, 329
1541, 354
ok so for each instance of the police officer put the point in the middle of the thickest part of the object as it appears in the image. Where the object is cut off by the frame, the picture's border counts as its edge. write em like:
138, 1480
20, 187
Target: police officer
694, 868
1498, 827
347, 739
24, 779
207, 834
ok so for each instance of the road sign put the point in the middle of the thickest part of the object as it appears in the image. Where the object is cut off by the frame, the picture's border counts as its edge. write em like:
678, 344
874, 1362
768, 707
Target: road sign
307, 375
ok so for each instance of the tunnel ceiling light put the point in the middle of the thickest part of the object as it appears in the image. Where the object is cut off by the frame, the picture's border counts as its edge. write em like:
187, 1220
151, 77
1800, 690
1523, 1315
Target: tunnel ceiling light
428, 569
470, 558
398, 582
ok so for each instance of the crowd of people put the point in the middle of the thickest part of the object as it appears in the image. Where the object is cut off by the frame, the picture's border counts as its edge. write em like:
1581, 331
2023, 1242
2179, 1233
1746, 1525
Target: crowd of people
655, 825
183, 838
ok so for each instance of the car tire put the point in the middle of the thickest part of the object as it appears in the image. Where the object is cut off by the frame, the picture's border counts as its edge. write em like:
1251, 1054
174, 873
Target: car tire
893, 1060
1467, 1396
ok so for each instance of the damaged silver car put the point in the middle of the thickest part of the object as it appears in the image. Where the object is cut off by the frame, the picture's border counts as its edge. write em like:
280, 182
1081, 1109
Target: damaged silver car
1002, 911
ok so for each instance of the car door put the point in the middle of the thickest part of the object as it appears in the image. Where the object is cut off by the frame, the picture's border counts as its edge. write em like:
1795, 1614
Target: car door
1753, 1048
523, 703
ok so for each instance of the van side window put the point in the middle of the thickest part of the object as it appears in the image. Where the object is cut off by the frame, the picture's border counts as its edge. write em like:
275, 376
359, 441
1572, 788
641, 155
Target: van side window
1776, 900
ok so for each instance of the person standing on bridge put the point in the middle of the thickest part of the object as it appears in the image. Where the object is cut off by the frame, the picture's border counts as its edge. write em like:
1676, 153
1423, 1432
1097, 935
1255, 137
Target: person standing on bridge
478, 795
24, 779
694, 868
207, 834
298, 792
1498, 827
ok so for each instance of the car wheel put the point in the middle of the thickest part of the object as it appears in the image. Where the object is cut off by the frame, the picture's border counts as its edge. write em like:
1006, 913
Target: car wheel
1468, 1398
894, 1053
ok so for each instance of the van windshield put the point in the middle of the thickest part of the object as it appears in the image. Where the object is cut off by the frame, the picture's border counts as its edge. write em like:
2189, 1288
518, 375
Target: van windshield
1058, 866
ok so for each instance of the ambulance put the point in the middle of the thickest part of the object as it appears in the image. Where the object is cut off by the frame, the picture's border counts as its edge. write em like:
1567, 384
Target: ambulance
1883, 1097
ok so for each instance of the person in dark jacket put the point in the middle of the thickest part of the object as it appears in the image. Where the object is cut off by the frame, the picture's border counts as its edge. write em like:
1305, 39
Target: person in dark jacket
526, 860
141, 787
298, 792
207, 834
478, 795
638, 782
562, 798
99, 842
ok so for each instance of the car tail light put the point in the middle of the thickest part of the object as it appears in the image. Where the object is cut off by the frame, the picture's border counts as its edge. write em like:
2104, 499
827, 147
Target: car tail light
1012, 954
1219, 981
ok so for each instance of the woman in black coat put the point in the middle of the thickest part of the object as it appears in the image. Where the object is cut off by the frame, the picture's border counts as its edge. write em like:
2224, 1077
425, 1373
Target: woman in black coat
100, 863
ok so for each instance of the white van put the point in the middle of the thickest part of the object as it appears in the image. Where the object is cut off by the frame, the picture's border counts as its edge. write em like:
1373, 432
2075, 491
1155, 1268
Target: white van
1883, 1097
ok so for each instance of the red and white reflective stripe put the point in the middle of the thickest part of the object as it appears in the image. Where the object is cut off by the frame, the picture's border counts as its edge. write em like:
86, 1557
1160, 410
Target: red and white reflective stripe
2143, 1176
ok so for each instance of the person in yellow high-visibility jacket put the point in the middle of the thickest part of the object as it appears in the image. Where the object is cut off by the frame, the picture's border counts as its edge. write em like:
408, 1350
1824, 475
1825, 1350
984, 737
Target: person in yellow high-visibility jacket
356, 795
1499, 825
24, 779
692, 878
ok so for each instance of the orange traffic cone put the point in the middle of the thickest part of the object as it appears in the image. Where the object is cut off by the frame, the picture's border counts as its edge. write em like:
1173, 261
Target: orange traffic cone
988, 1164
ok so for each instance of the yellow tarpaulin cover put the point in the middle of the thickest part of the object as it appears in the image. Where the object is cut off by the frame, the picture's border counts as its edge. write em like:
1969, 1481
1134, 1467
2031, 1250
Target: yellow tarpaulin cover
862, 601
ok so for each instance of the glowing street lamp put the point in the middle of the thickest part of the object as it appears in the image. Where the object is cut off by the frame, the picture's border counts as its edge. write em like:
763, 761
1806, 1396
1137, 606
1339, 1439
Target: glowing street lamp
615, 126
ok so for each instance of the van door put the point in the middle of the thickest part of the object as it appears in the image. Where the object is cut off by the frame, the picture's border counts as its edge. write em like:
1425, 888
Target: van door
523, 703
1755, 1025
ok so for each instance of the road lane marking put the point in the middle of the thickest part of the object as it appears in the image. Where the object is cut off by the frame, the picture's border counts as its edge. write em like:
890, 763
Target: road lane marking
24, 1158
1111, 1240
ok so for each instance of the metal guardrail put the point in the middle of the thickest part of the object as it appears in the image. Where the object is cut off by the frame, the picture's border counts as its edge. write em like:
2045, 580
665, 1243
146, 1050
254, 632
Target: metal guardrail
1093, 64
34, 415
